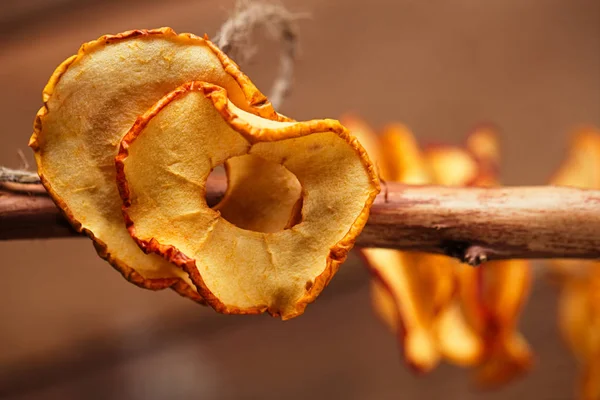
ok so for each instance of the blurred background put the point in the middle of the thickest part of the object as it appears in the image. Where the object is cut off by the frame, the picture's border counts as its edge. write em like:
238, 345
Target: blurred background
71, 327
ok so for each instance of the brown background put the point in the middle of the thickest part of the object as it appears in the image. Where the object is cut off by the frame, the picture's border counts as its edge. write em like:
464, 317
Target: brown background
72, 328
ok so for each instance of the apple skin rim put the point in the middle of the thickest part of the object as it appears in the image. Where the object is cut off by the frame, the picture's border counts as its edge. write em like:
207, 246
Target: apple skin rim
218, 95
258, 102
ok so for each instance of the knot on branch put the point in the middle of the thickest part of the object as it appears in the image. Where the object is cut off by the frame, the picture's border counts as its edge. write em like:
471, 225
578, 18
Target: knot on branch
467, 253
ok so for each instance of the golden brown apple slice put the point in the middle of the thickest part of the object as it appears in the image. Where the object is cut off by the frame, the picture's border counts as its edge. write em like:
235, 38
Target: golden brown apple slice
404, 163
484, 146
581, 169
582, 166
487, 312
91, 101
504, 285
402, 156
460, 342
456, 166
579, 301
451, 166
579, 322
399, 299
163, 166
508, 358
404, 295
505, 288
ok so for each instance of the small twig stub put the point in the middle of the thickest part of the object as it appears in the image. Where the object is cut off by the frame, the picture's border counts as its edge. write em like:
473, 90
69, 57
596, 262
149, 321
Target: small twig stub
18, 176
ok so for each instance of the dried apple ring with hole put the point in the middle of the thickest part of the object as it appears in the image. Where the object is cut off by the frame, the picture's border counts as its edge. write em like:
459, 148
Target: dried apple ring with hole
162, 169
90, 103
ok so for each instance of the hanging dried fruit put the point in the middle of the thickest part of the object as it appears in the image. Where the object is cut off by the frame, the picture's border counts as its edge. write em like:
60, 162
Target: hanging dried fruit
460, 341
91, 101
420, 287
163, 167
581, 169
579, 321
492, 295
403, 294
503, 286
451, 165
579, 280
439, 308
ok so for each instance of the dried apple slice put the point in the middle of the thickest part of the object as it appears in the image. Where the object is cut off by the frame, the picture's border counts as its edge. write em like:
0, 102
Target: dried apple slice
460, 342
400, 300
413, 292
385, 307
579, 321
451, 166
491, 296
508, 358
580, 169
91, 101
504, 289
483, 145
456, 166
579, 300
503, 286
405, 162
162, 169
404, 295
582, 166
402, 156
457, 340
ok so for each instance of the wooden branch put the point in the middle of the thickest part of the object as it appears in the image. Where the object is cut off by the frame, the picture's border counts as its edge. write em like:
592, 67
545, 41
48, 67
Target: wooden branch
479, 224
472, 224
27, 212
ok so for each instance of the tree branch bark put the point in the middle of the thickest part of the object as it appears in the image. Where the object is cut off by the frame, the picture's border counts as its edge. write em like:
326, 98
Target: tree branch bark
471, 224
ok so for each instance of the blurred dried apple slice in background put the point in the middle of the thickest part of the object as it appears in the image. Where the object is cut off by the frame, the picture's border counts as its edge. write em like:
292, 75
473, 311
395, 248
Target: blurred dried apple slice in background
484, 146
490, 297
582, 167
400, 299
438, 307
451, 165
414, 292
403, 294
91, 101
402, 156
579, 321
455, 166
163, 166
579, 280
503, 285
459, 341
